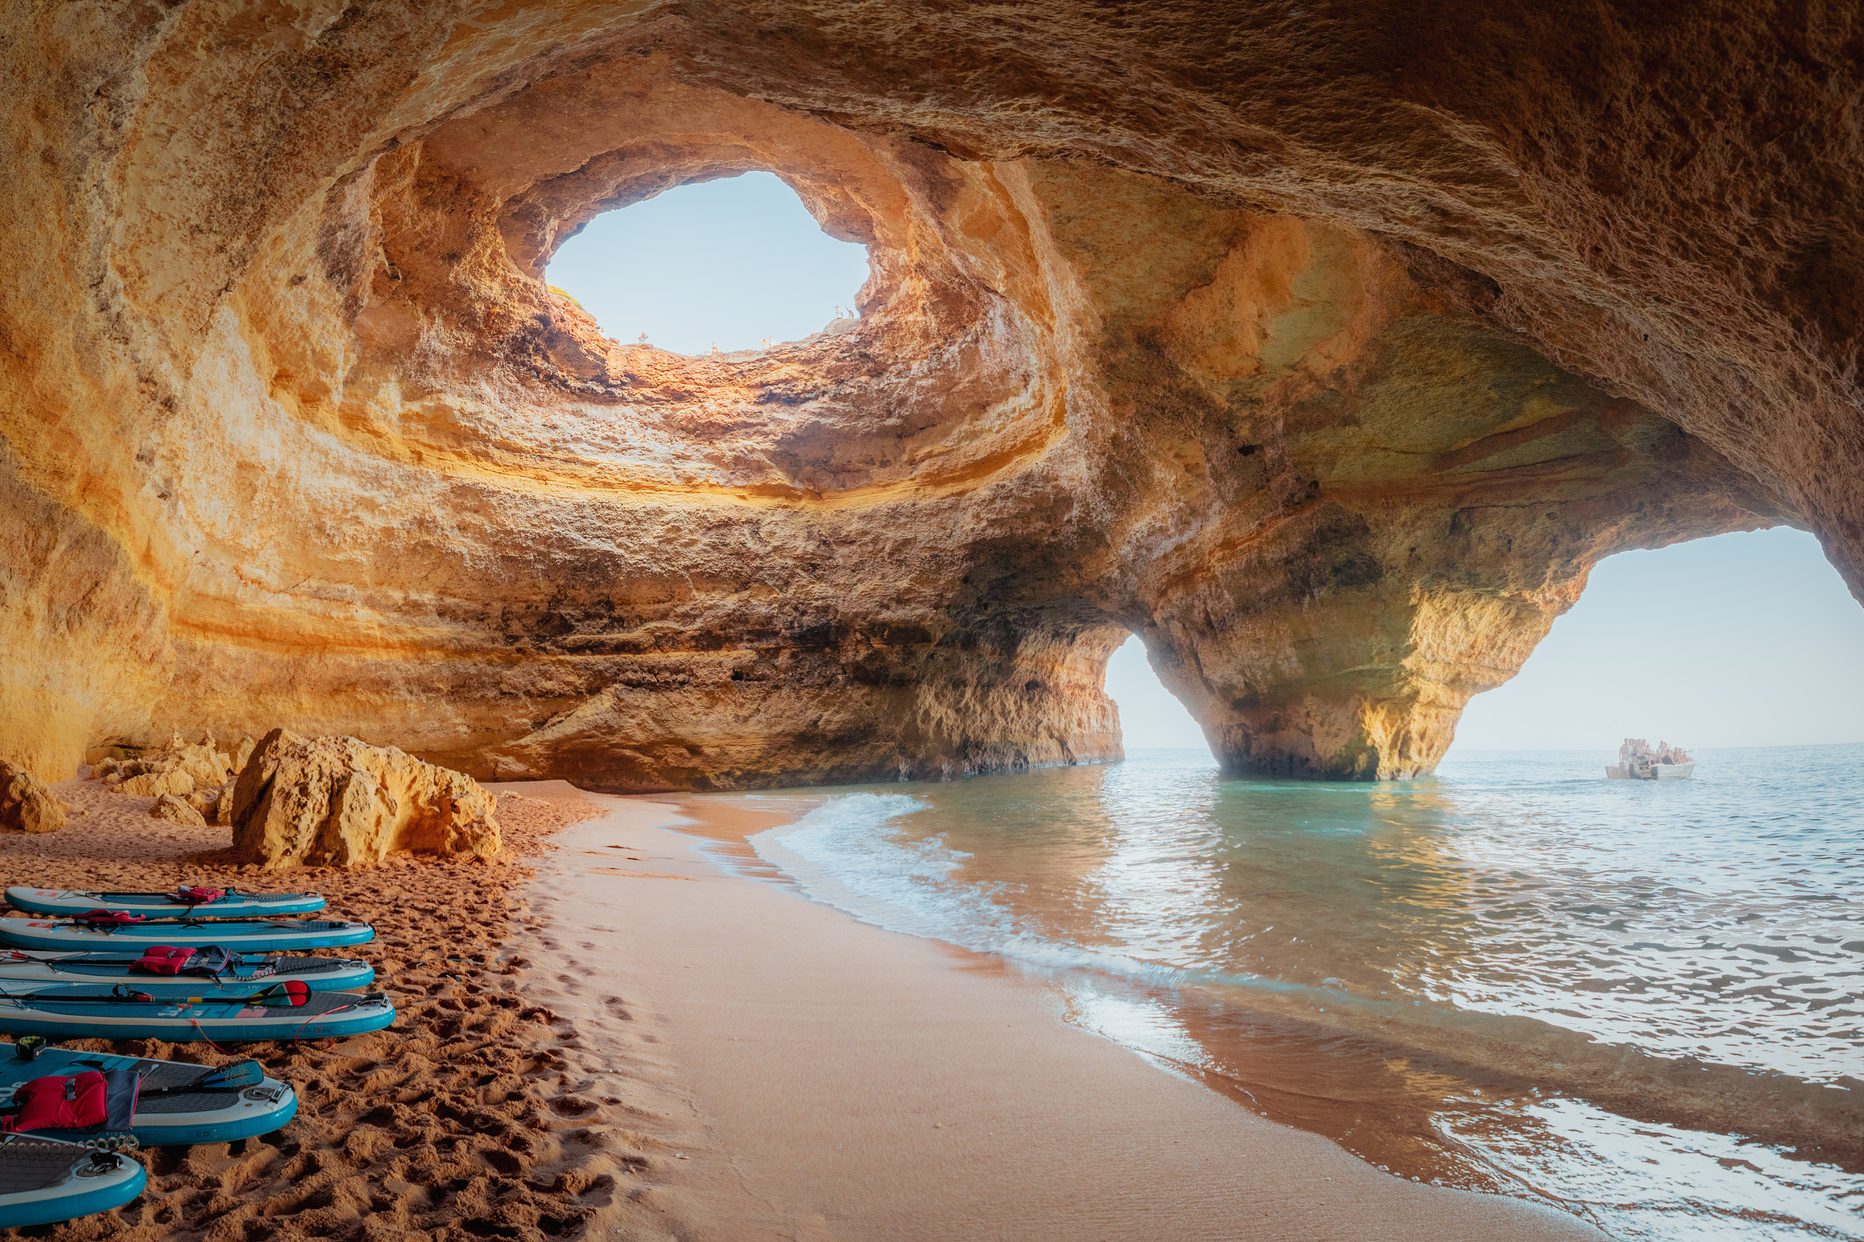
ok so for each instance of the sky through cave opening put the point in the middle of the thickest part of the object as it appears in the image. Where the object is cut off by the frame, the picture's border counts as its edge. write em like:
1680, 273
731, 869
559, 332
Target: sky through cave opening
735, 263
1747, 639
1151, 717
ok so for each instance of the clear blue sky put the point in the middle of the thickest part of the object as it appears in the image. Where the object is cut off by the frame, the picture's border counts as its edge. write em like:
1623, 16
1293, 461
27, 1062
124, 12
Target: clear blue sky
1753, 641
724, 262
1740, 640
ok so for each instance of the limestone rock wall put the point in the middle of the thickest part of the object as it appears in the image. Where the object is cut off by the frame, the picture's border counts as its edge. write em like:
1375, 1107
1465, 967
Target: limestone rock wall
1324, 346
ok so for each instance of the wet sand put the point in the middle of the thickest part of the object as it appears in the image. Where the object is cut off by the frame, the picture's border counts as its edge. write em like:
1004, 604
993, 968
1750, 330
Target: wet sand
839, 1081
472, 1117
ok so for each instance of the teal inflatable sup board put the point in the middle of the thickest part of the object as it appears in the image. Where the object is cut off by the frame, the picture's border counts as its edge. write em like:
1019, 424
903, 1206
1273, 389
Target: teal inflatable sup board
176, 1103
43, 1181
234, 935
270, 1013
207, 975
181, 903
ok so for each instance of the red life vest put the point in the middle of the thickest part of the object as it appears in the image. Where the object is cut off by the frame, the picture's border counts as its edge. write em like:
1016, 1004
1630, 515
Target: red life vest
163, 959
60, 1103
108, 918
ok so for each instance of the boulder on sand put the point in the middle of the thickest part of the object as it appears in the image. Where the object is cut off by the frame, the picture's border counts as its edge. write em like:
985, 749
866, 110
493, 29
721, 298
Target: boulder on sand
26, 804
177, 811
336, 801
206, 802
174, 783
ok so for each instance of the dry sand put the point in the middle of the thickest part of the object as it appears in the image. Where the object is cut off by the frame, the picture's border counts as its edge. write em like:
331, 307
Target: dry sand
463, 1120
839, 1081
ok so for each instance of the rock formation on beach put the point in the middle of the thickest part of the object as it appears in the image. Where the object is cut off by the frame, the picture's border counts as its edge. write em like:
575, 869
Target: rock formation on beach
197, 774
335, 801
1324, 346
26, 805
177, 811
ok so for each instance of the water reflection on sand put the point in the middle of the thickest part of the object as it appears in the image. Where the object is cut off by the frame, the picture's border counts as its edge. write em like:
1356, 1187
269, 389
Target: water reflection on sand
1633, 1001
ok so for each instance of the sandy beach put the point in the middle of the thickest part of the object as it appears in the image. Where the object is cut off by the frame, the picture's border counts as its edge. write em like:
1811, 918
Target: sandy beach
838, 1081
612, 1033
465, 1119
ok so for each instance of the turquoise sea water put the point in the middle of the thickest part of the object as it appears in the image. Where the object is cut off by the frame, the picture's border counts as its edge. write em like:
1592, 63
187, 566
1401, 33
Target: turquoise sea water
1643, 1003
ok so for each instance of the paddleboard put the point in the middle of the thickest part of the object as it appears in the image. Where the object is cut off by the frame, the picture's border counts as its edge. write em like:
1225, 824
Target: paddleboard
31, 972
91, 1013
169, 1111
230, 905
234, 935
43, 1181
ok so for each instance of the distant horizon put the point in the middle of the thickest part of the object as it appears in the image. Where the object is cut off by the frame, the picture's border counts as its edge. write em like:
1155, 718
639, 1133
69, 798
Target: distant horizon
1535, 750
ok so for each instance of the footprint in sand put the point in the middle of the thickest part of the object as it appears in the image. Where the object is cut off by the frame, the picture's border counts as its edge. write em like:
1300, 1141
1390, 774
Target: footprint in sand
503, 1161
639, 875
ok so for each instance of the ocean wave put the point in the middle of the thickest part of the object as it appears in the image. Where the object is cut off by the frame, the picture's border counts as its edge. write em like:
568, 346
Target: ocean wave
844, 853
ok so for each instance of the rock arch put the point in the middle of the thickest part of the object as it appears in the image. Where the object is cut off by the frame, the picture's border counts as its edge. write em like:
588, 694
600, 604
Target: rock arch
1323, 355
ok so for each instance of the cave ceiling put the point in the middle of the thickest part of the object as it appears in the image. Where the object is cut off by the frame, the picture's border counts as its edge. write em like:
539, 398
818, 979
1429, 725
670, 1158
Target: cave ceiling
1324, 346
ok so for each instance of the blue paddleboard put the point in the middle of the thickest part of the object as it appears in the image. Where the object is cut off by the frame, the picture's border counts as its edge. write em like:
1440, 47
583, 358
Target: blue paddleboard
43, 1181
22, 972
230, 905
92, 1013
234, 935
170, 1110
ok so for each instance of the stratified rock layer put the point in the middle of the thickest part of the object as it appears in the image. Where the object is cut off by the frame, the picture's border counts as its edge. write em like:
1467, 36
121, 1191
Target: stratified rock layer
335, 801
1324, 346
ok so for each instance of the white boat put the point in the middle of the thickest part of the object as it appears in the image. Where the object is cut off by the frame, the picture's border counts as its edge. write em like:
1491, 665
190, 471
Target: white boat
1649, 772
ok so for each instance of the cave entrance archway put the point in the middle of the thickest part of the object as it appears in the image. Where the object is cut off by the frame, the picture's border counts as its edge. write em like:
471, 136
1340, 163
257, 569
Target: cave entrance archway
733, 263
1151, 716
1747, 639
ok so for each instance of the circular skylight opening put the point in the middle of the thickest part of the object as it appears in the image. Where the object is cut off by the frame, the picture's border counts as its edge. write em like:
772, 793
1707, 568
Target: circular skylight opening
718, 266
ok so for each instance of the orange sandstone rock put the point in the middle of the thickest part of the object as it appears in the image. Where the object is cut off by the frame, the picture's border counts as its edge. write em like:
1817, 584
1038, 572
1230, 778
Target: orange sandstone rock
335, 801
1326, 347
194, 771
26, 805
177, 811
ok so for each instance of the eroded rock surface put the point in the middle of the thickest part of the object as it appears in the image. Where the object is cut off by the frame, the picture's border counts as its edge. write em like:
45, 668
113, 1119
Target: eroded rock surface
1324, 346
335, 801
176, 811
198, 774
26, 805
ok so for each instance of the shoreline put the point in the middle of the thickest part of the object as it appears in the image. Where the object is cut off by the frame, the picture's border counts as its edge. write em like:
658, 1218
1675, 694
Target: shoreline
832, 1079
